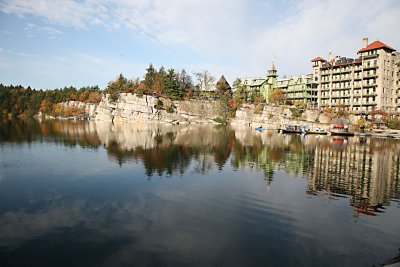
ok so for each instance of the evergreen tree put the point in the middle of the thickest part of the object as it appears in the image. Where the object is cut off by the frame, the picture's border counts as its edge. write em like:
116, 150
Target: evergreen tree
150, 78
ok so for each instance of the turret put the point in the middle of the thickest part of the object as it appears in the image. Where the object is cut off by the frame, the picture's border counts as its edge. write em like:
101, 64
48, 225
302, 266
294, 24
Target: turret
272, 71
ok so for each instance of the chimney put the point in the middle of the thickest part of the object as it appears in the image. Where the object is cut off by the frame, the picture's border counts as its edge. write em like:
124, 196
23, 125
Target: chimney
365, 42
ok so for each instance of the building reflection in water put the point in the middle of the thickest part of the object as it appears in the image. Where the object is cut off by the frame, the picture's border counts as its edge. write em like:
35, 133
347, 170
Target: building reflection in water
364, 170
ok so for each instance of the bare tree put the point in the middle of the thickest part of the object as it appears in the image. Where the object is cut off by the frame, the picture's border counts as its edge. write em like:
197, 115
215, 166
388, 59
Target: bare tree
205, 80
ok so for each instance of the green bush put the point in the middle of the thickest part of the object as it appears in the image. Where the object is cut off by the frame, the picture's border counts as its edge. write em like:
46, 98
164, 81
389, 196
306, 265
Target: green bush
159, 104
219, 120
114, 97
170, 109
394, 123
295, 112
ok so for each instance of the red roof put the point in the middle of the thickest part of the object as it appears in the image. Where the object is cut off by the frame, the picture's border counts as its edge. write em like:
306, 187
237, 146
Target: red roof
376, 45
318, 59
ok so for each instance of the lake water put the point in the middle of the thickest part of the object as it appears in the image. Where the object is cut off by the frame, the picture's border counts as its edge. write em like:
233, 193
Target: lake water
86, 194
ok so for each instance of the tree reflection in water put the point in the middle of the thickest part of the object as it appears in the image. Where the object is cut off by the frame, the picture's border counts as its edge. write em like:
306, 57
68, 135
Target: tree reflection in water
364, 170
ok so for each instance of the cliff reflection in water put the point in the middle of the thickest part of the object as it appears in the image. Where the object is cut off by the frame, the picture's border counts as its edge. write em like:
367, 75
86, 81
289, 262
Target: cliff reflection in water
364, 170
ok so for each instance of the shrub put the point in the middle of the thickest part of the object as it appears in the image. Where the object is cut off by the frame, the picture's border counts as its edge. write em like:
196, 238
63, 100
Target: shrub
159, 104
258, 108
219, 120
295, 112
394, 123
114, 97
94, 97
171, 108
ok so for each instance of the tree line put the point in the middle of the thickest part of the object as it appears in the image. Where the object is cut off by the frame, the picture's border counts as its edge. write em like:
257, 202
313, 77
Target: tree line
20, 101
167, 83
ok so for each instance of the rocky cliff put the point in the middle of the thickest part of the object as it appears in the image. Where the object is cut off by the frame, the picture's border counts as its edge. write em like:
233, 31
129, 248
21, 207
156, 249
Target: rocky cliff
149, 109
272, 117
131, 108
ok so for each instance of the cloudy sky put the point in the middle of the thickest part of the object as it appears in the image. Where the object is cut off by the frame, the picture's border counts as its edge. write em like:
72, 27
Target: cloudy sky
57, 43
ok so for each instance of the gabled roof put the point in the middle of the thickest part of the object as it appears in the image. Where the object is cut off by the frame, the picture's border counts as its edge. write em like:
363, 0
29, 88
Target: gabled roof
318, 59
223, 83
253, 81
376, 45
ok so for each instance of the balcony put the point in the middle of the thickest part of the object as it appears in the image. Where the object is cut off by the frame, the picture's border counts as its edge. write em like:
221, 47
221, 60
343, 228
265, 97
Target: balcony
341, 96
366, 67
370, 94
370, 56
369, 103
369, 76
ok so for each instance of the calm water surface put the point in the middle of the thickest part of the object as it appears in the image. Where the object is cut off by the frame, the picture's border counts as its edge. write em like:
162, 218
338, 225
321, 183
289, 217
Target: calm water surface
86, 194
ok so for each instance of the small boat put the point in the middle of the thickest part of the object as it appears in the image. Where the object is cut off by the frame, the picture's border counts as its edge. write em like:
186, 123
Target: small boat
338, 132
316, 131
261, 129
292, 129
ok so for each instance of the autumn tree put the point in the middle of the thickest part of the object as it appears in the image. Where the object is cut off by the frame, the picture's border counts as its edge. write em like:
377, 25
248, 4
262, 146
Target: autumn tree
116, 87
185, 83
240, 92
277, 96
158, 86
94, 97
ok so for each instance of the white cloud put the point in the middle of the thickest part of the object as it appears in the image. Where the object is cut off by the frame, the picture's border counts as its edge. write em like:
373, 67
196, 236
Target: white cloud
60, 59
23, 54
237, 38
69, 13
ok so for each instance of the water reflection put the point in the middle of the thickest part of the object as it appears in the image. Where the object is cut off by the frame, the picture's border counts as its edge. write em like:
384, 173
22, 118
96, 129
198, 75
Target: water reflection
233, 196
365, 170
65, 132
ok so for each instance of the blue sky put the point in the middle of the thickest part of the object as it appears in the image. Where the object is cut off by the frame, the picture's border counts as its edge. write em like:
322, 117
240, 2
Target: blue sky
57, 43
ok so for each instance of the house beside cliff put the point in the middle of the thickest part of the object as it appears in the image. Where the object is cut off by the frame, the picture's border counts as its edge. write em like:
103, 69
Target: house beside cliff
220, 87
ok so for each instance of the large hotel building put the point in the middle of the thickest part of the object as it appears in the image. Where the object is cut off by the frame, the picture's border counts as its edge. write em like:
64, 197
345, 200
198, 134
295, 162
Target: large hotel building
369, 82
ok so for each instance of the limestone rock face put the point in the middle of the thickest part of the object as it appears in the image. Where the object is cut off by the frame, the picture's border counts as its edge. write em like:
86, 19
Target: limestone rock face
148, 109
273, 117
139, 110
88, 108
310, 115
324, 119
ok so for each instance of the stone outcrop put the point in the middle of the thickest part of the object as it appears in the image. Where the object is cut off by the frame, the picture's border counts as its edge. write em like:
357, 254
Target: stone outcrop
131, 108
89, 108
274, 117
148, 109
